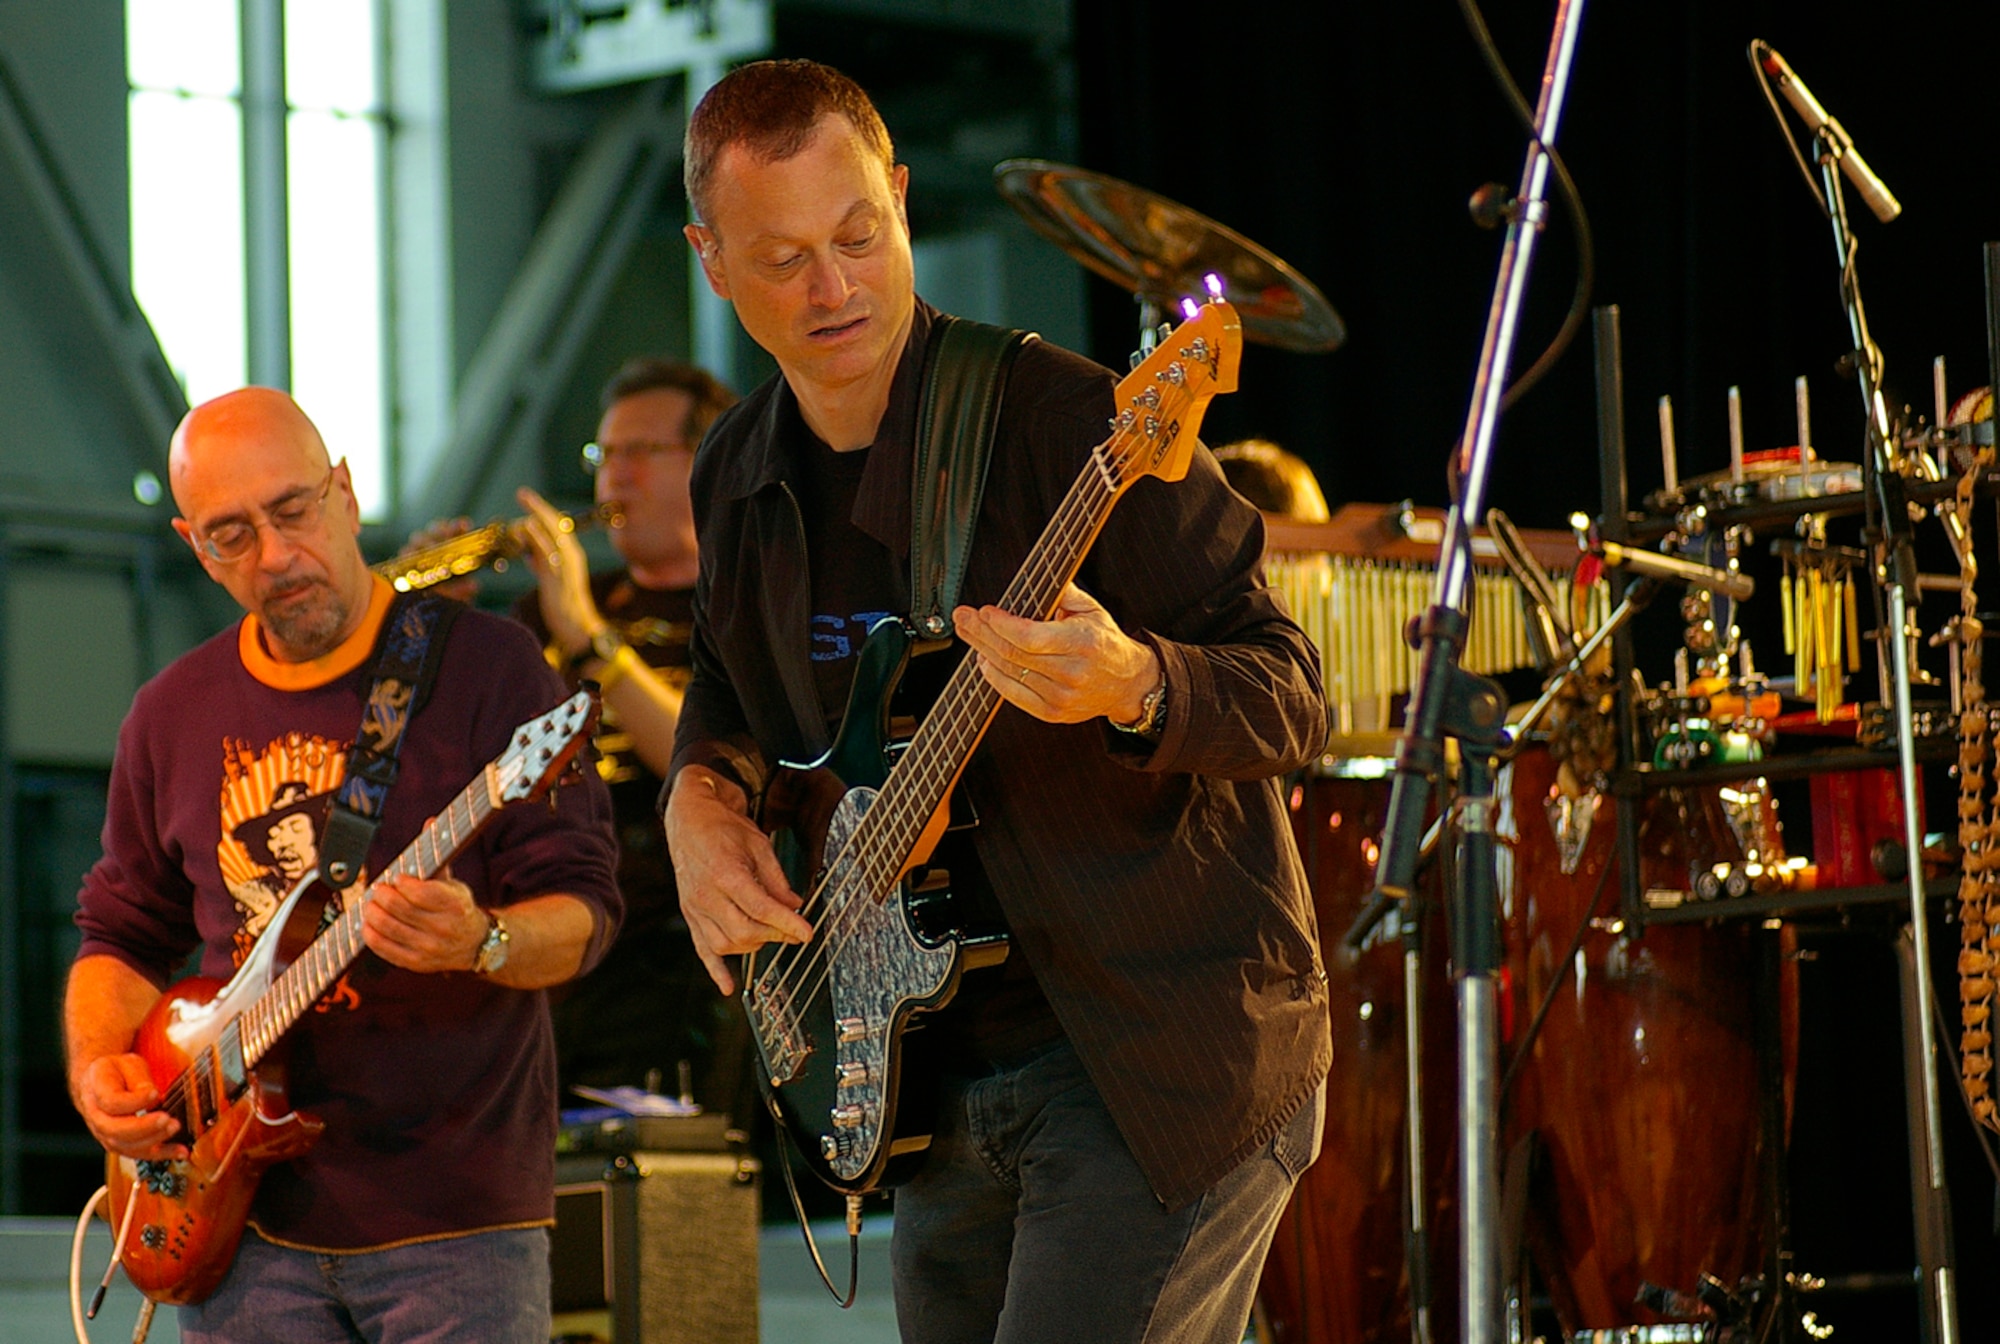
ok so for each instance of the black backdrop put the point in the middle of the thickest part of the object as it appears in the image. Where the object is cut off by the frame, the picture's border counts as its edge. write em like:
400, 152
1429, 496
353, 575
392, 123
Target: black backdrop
1346, 139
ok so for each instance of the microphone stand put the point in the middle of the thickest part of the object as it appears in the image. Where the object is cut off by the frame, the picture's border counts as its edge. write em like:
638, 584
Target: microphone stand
1447, 700
1898, 573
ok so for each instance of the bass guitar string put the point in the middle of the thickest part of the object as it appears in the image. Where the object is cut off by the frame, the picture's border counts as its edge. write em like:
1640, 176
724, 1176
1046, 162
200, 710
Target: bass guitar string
1037, 587
1020, 597
891, 807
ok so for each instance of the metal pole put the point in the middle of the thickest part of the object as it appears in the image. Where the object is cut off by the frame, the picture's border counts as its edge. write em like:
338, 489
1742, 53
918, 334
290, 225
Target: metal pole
1482, 1294
266, 220
11, 917
1931, 1198
1444, 695
1418, 1250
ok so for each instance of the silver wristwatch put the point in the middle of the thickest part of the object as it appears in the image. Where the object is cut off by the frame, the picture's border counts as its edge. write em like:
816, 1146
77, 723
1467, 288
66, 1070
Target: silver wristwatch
1152, 714
492, 953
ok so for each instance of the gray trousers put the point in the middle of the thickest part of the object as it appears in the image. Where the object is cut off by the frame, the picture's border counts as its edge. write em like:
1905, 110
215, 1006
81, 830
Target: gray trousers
1031, 1223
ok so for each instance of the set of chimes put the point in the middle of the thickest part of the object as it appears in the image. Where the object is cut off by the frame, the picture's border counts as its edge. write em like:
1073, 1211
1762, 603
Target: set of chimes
1822, 627
1355, 583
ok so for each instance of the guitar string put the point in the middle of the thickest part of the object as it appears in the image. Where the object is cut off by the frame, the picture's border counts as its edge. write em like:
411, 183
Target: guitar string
302, 983
252, 1031
963, 685
918, 802
1042, 576
875, 872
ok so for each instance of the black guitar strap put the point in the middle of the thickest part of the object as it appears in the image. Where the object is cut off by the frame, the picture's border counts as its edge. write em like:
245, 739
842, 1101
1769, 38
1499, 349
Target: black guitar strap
406, 664
964, 379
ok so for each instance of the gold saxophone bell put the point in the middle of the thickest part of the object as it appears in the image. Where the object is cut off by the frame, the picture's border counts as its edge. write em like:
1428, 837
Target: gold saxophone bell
494, 544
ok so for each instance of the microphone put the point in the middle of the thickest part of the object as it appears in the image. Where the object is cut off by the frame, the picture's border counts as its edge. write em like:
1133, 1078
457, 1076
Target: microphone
1871, 187
1656, 566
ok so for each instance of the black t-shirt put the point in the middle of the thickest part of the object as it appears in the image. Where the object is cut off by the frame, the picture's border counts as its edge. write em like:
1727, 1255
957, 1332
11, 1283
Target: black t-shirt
657, 623
997, 1014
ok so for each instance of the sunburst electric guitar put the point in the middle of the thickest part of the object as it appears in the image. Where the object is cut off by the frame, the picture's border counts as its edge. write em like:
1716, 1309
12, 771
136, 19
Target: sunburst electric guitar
851, 828
178, 1222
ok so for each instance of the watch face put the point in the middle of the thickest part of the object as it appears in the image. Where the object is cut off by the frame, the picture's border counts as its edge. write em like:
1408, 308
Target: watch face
493, 952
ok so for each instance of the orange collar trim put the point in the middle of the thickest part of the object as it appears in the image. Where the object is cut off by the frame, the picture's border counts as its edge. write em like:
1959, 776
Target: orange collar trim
330, 666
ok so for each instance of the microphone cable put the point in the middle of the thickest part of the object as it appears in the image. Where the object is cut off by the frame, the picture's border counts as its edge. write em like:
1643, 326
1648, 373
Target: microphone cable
1759, 45
1572, 199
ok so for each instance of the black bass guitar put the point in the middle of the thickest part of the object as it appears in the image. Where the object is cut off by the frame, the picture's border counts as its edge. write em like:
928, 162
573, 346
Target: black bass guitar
854, 827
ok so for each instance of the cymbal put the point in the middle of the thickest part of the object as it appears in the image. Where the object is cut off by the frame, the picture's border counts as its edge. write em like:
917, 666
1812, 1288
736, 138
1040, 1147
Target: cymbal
1162, 251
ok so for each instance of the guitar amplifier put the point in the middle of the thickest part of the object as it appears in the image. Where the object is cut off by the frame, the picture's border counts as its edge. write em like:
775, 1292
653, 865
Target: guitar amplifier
656, 1247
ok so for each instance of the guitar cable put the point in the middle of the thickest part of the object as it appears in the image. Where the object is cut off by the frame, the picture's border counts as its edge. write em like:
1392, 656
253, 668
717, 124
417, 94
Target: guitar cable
77, 1314
805, 1228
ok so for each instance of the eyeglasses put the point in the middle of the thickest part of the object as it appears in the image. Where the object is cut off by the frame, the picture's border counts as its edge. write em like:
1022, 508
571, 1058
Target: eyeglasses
293, 516
596, 455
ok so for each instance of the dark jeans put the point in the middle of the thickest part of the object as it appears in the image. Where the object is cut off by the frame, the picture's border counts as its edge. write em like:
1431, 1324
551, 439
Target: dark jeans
486, 1288
1030, 1222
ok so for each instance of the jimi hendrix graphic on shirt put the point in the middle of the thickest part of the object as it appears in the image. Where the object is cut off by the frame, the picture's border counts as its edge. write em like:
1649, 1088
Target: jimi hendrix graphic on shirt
274, 804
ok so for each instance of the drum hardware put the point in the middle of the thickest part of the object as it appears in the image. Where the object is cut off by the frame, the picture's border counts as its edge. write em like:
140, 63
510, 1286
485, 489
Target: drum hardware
495, 544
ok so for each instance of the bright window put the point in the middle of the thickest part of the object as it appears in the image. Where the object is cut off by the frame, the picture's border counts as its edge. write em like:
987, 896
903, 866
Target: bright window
183, 59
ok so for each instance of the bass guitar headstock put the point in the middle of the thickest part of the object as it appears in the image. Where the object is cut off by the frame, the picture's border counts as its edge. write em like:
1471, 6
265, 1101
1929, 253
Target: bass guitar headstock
1162, 401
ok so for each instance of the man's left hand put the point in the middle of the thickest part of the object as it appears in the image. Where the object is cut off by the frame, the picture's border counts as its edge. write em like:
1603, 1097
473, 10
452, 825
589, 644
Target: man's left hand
1065, 670
424, 925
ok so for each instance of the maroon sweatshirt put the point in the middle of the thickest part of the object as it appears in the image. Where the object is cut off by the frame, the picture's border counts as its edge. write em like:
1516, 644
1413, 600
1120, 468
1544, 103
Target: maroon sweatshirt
438, 1091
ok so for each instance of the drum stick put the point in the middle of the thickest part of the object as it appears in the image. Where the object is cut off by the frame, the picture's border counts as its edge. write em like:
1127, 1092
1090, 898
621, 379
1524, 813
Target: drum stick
1736, 435
1940, 409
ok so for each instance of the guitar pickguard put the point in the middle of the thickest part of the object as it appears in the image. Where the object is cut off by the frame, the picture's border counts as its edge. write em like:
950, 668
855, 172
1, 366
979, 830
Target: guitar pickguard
884, 972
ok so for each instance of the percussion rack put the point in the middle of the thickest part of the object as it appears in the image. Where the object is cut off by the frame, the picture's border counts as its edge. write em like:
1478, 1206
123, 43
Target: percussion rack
1632, 781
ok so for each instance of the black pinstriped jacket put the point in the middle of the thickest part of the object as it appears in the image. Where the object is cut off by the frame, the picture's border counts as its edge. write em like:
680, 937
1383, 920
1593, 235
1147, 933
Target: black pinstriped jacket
1157, 895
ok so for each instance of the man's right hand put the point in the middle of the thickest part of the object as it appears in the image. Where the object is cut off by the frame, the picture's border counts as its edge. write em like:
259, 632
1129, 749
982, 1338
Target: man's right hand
733, 893
115, 1095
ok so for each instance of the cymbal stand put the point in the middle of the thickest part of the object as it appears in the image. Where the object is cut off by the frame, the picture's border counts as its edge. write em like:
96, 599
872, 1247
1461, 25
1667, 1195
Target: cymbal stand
1897, 570
1447, 700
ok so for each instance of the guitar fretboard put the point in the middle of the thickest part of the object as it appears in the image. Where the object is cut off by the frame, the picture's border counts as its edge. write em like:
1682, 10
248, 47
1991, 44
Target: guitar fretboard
916, 789
336, 947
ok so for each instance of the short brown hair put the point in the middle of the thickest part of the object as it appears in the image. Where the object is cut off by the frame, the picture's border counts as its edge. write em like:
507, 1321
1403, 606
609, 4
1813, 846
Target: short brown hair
650, 373
771, 108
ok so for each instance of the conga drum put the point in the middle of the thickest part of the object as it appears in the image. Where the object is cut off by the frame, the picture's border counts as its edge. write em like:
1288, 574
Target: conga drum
1336, 1272
1644, 1082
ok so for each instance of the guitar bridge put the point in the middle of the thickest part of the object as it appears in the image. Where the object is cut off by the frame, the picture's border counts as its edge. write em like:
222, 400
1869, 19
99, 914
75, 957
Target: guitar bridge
780, 1039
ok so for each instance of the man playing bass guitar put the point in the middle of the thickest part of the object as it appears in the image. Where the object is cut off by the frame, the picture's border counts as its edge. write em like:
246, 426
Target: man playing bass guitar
1125, 1103
420, 1212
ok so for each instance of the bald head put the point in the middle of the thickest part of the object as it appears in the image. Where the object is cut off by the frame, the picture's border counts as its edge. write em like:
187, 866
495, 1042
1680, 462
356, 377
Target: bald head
271, 519
251, 423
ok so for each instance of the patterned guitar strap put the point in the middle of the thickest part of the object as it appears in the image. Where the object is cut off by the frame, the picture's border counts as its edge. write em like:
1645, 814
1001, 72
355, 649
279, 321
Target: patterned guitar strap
405, 666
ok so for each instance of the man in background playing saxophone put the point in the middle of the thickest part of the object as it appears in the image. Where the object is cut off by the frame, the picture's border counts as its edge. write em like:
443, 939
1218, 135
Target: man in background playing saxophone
649, 1005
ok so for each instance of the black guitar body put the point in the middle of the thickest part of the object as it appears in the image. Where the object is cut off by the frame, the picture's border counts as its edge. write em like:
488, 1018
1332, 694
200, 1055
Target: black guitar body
836, 1020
